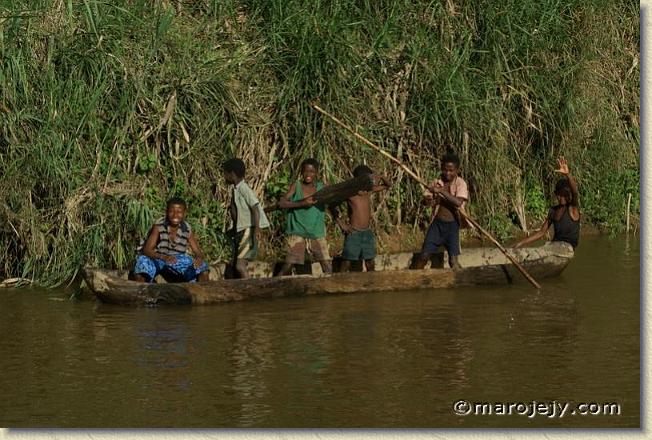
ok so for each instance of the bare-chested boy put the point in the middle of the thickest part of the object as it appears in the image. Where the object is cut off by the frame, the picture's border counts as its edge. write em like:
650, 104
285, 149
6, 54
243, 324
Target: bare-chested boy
360, 243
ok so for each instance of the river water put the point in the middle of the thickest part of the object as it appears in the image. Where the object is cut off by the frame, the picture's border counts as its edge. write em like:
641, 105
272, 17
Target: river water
368, 360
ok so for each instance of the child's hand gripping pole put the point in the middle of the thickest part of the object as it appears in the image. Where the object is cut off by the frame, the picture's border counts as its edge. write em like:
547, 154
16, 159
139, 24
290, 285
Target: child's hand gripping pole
424, 184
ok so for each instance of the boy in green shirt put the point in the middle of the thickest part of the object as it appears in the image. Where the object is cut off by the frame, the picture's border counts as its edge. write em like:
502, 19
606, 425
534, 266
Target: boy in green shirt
305, 223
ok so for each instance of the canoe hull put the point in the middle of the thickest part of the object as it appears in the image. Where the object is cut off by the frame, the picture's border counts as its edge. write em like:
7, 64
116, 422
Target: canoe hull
541, 263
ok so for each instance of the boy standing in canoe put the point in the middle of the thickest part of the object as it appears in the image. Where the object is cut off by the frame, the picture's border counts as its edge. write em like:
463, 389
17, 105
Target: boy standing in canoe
247, 215
164, 250
565, 216
447, 195
305, 221
360, 243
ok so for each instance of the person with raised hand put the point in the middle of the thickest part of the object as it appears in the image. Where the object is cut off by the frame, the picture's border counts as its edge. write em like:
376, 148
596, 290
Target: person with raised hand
565, 216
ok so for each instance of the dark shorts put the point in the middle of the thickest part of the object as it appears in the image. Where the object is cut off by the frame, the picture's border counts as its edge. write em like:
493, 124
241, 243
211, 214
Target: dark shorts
441, 233
359, 245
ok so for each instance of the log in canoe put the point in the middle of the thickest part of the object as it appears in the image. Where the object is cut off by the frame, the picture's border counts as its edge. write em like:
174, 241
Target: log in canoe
339, 192
480, 266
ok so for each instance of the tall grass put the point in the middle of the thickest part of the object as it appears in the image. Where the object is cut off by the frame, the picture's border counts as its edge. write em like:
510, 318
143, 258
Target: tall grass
108, 108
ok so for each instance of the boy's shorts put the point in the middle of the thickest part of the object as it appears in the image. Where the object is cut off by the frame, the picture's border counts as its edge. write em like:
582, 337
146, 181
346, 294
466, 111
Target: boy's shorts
442, 233
318, 249
183, 268
359, 245
245, 246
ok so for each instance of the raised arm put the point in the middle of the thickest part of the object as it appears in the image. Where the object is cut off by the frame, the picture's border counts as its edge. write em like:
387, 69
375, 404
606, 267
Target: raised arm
563, 169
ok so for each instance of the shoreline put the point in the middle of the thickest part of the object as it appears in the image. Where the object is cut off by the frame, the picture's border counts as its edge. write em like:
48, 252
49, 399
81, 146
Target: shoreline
335, 249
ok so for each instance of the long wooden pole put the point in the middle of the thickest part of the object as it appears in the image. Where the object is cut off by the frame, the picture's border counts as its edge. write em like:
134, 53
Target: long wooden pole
425, 184
629, 201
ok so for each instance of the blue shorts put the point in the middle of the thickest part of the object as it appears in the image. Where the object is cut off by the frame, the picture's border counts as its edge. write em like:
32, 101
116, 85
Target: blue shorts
359, 245
442, 233
182, 268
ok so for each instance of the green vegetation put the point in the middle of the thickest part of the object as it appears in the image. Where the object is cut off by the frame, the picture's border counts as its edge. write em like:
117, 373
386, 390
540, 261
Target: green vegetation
107, 108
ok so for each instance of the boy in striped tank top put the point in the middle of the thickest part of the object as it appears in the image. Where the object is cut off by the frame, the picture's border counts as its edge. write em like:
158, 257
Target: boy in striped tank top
164, 250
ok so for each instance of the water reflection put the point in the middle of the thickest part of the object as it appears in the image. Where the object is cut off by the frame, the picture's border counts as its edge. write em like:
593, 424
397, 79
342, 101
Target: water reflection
371, 360
249, 356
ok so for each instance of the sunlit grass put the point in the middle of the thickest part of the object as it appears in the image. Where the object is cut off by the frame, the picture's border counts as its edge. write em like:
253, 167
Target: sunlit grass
108, 108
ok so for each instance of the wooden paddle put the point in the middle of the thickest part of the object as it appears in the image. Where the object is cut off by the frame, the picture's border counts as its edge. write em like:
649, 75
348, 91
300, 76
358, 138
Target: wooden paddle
422, 182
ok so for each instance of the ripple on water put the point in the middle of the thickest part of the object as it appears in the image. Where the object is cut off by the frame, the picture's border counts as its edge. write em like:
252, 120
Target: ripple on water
369, 360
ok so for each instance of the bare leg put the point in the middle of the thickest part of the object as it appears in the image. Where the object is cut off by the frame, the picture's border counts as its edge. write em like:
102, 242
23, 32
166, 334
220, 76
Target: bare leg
203, 276
370, 265
345, 266
420, 261
241, 268
326, 266
454, 263
285, 270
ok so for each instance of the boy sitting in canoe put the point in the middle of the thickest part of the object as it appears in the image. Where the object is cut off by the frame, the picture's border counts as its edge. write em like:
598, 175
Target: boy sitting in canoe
565, 216
164, 250
360, 243
305, 221
447, 195
247, 215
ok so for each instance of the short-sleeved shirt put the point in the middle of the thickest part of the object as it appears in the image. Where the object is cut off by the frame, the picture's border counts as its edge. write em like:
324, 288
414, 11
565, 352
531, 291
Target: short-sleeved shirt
244, 198
458, 188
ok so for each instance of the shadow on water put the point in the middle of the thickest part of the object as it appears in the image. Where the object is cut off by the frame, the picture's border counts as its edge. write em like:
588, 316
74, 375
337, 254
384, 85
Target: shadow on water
368, 360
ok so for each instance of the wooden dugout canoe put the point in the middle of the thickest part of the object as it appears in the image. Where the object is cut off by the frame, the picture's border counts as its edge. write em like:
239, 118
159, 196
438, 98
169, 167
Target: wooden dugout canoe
481, 266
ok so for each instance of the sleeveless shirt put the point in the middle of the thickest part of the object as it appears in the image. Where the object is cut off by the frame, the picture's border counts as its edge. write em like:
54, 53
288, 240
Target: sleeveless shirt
566, 229
306, 222
165, 246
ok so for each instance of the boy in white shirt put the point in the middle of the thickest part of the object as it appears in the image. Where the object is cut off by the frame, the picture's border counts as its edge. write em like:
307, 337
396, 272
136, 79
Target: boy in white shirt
247, 214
